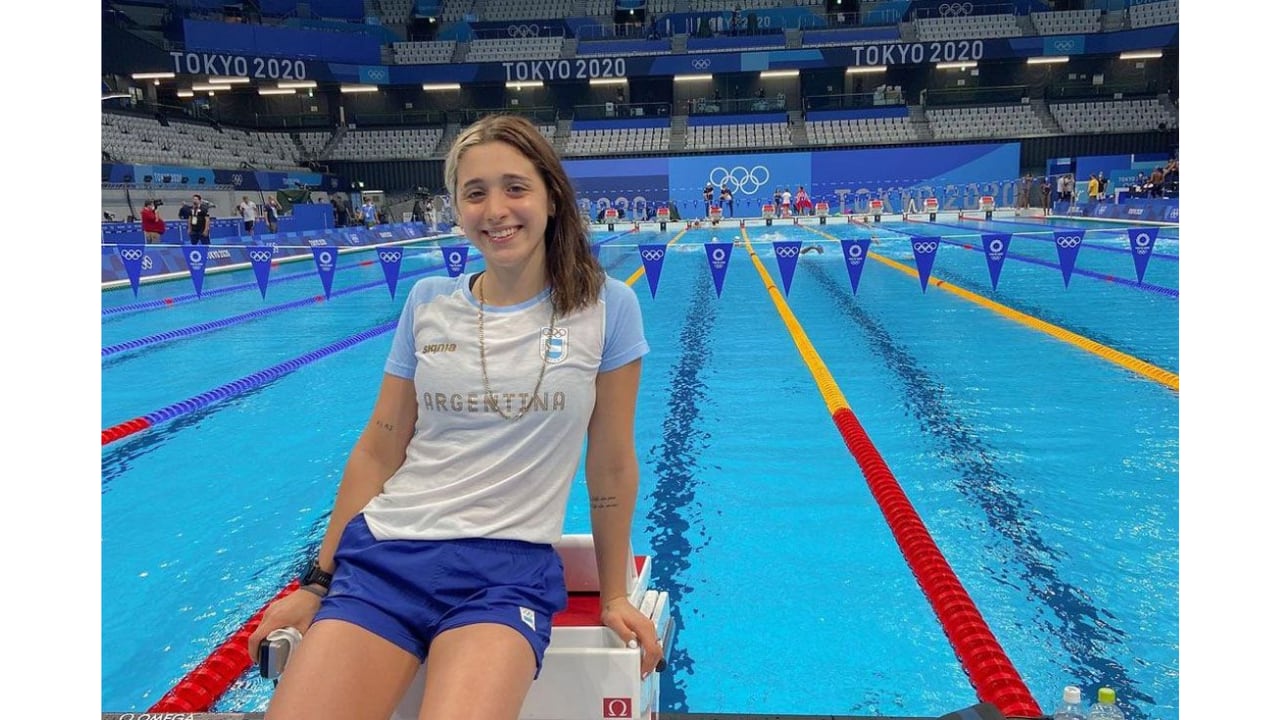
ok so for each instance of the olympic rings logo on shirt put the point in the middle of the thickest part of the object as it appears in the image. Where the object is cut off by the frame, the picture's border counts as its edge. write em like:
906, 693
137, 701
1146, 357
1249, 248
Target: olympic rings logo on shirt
131, 254
787, 252
389, 255
260, 255
740, 178
652, 255
523, 31
925, 247
1069, 241
955, 9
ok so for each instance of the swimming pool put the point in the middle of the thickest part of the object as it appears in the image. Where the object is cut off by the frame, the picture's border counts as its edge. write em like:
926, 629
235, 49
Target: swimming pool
1046, 474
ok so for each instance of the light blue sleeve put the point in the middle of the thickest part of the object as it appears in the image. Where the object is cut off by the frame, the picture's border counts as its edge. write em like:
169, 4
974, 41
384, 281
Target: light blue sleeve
623, 326
403, 360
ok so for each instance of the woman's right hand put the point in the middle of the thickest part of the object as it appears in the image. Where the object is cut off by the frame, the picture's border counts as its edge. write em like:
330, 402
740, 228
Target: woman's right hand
296, 610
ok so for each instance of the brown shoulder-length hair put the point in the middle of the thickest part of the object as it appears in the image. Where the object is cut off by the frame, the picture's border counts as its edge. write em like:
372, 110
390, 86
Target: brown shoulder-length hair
575, 277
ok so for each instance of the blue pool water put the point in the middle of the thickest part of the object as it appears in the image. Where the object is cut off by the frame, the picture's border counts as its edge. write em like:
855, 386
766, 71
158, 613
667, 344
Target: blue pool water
1047, 475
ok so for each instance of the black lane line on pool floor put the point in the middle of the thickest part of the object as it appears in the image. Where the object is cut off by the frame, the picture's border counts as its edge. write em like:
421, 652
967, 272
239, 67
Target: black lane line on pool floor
675, 463
1083, 629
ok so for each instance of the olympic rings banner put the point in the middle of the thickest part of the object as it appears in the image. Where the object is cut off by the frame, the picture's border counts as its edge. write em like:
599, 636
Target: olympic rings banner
847, 179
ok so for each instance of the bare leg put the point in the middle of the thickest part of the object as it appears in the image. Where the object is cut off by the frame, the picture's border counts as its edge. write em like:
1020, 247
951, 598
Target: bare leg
477, 672
344, 672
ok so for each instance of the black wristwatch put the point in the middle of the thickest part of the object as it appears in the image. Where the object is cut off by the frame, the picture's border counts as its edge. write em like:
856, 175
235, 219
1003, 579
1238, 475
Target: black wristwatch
316, 576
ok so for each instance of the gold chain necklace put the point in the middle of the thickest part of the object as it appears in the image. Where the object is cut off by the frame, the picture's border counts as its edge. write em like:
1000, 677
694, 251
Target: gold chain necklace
484, 367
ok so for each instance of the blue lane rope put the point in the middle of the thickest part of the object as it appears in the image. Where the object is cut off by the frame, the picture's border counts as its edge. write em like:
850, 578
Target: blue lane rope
1170, 292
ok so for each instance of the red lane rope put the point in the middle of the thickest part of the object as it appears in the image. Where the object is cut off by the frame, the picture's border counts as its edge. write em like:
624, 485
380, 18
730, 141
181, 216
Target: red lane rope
199, 689
980, 654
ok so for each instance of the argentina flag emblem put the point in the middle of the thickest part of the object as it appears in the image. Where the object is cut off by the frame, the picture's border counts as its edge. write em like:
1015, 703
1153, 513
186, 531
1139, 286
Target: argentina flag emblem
554, 347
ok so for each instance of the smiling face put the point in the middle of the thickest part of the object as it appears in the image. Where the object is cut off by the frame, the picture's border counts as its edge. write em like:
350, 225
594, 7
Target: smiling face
503, 204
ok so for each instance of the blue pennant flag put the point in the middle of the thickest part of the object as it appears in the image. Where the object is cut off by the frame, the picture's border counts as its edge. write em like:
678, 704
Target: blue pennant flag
718, 257
455, 259
326, 262
1068, 243
652, 257
260, 257
855, 258
195, 256
926, 251
132, 257
996, 248
390, 259
786, 252
1142, 241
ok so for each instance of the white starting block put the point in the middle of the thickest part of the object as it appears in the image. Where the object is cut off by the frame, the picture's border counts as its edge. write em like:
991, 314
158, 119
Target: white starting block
877, 208
931, 207
987, 204
610, 217
588, 673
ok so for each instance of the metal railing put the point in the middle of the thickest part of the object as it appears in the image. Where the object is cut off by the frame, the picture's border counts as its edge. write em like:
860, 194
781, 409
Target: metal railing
726, 106
851, 101
621, 110
1106, 91
996, 95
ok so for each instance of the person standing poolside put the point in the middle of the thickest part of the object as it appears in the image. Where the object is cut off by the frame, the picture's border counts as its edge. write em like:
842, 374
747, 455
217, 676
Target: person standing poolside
440, 543
198, 222
273, 214
152, 225
248, 210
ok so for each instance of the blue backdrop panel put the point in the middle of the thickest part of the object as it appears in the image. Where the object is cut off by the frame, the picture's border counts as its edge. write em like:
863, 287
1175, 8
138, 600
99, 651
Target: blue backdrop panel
751, 178
626, 185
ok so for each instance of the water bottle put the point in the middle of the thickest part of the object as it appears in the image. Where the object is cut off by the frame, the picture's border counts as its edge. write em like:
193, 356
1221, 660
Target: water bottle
1106, 708
1071, 707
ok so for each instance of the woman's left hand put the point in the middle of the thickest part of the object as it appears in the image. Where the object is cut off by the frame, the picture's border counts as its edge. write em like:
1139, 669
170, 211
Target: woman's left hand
630, 624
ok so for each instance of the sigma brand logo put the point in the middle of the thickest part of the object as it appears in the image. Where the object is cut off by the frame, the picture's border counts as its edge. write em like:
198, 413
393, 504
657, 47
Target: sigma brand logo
439, 348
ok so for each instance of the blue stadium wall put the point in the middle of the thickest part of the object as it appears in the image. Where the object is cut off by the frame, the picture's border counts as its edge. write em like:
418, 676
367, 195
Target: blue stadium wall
956, 175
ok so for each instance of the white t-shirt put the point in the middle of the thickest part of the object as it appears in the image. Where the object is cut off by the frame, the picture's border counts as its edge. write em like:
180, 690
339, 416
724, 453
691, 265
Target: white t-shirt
249, 210
469, 472
786, 197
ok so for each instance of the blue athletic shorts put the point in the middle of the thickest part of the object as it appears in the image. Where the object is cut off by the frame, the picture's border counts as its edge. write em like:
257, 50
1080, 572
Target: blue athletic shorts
409, 591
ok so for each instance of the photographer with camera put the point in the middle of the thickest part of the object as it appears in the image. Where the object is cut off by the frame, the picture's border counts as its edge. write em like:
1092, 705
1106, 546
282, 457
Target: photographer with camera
152, 224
